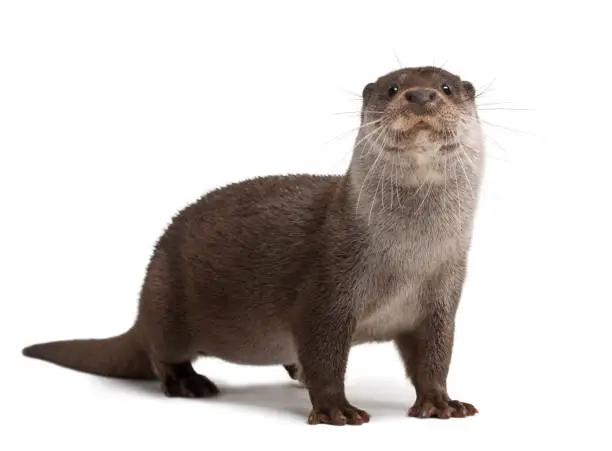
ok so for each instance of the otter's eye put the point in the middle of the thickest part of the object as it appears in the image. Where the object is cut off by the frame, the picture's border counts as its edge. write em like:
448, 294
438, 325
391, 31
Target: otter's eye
446, 89
393, 90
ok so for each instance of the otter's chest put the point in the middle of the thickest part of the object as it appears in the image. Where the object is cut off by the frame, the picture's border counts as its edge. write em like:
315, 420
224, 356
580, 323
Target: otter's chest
388, 297
385, 316
389, 289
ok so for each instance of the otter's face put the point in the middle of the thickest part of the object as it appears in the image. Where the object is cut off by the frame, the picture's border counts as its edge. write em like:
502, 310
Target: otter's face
418, 109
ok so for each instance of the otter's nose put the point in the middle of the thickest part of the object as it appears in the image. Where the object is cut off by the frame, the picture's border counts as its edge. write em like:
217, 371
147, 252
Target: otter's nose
420, 96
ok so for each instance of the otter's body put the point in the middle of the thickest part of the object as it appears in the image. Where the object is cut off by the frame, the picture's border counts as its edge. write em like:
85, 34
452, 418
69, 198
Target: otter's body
294, 270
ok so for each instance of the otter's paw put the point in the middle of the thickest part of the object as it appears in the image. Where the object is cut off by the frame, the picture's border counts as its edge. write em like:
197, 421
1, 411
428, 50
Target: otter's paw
440, 407
192, 386
339, 416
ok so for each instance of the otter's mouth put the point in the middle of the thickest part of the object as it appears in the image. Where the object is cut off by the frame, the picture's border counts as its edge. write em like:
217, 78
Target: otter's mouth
422, 125
410, 131
410, 124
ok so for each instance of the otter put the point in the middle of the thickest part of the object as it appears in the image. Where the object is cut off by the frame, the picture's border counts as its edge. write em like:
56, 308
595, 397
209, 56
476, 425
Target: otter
294, 270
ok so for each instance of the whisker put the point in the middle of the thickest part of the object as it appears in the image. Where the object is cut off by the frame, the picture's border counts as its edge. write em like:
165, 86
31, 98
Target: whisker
457, 186
495, 104
507, 128
457, 220
354, 94
486, 89
381, 143
366, 177
383, 123
369, 170
357, 113
468, 157
352, 130
348, 132
397, 59
504, 109
499, 146
492, 103
418, 189
397, 180
467, 179
392, 178
487, 137
384, 173
380, 178
424, 197
441, 67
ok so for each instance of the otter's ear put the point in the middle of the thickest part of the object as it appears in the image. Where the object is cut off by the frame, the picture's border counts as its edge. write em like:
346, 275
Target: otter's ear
469, 89
367, 91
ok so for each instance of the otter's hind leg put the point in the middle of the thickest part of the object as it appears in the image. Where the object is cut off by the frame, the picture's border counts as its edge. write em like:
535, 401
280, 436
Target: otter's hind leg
170, 334
295, 373
292, 371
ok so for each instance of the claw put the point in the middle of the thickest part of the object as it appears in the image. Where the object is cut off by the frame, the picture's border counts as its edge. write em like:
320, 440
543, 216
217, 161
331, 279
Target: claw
436, 408
339, 417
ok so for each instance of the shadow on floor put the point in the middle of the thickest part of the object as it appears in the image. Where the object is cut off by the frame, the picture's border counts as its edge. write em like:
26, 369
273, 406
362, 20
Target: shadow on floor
378, 397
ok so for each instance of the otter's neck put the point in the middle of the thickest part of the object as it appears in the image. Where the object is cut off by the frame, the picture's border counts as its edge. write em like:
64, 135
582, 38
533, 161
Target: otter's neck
387, 187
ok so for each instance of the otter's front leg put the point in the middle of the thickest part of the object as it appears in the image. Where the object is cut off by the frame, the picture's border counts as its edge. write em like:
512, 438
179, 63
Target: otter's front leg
426, 351
323, 341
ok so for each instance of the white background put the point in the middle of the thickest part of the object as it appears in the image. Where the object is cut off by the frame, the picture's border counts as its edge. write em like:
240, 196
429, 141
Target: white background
116, 114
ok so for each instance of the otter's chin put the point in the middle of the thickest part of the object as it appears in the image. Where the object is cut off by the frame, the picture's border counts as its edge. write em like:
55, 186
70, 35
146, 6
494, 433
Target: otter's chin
412, 124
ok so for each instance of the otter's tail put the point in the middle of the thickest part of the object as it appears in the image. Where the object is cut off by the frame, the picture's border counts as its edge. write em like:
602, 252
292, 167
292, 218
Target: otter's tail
121, 356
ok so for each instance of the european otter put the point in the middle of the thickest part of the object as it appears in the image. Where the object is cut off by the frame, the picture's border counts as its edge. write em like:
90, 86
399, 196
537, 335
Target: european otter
294, 270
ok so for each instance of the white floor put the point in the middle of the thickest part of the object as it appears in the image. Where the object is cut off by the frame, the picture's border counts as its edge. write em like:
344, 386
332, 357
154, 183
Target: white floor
51, 406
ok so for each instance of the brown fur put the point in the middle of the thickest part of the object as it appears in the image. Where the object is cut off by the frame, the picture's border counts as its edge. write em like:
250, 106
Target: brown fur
294, 270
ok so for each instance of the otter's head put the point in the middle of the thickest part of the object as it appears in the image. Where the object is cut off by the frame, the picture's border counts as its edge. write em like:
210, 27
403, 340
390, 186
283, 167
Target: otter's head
419, 117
